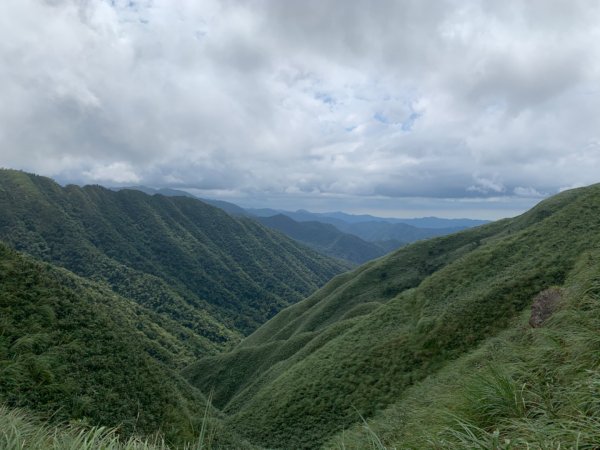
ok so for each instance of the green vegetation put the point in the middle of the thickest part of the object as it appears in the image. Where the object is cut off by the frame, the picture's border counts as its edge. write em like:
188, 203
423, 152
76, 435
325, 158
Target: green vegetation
433, 346
211, 277
18, 430
528, 387
75, 351
327, 239
361, 343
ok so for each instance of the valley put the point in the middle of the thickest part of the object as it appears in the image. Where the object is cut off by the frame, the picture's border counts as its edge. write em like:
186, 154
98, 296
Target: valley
115, 322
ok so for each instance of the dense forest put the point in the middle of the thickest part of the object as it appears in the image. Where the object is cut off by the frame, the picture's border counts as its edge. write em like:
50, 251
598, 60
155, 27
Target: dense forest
215, 277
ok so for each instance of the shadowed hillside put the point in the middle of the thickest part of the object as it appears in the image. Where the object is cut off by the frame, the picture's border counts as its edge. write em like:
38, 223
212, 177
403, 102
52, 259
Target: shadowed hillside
76, 350
326, 239
216, 276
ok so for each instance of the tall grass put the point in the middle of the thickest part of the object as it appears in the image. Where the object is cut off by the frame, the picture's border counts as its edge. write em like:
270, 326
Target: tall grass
524, 389
18, 430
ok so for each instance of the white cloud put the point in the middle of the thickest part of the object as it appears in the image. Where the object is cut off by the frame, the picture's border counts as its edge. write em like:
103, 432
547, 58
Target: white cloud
527, 192
330, 97
118, 172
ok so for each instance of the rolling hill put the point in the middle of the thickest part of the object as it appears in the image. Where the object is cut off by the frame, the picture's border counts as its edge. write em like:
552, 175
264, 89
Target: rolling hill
370, 338
213, 277
327, 239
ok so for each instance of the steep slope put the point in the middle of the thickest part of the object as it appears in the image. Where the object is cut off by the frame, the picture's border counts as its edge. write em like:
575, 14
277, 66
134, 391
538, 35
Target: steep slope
325, 239
74, 350
193, 264
366, 337
230, 208
529, 387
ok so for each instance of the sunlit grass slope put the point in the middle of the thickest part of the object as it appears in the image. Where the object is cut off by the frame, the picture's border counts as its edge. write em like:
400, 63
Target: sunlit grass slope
214, 277
536, 388
357, 345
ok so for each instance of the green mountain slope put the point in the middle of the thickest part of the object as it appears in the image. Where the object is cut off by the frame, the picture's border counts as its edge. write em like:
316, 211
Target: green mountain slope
529, 387
325, 238
74, 350
215, 276
358, 344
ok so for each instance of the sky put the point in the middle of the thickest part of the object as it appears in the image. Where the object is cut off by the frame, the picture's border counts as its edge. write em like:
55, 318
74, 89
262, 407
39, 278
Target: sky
398, 108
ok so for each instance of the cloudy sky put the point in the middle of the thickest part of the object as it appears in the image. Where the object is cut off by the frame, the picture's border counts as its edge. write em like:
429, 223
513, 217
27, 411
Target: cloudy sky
402, 108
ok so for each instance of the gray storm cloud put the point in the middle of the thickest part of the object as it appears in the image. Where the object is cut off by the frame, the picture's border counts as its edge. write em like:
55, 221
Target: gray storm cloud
394, 99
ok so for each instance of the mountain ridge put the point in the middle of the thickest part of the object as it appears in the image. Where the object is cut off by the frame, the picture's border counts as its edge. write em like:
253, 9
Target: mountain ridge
326, 239
190, 262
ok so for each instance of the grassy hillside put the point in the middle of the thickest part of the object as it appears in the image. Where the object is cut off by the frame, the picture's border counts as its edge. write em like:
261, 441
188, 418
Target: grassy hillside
213, 276
326, 239
527, 387
356, 346
20, 429
73, 350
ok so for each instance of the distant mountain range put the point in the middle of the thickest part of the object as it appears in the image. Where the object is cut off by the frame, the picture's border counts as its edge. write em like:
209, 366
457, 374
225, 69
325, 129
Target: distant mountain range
338, 218
353, 238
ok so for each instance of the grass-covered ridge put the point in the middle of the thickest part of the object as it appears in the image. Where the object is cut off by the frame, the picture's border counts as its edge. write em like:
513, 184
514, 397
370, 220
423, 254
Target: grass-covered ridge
356, 346
527, 387
212, 276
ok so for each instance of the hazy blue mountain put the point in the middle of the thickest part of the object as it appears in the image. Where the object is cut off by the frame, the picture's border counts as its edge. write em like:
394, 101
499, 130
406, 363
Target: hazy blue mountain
422, 222
382, 231
328, 239
372, 231
338, 218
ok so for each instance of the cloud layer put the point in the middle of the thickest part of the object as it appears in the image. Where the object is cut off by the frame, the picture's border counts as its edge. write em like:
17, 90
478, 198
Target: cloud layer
314, 99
